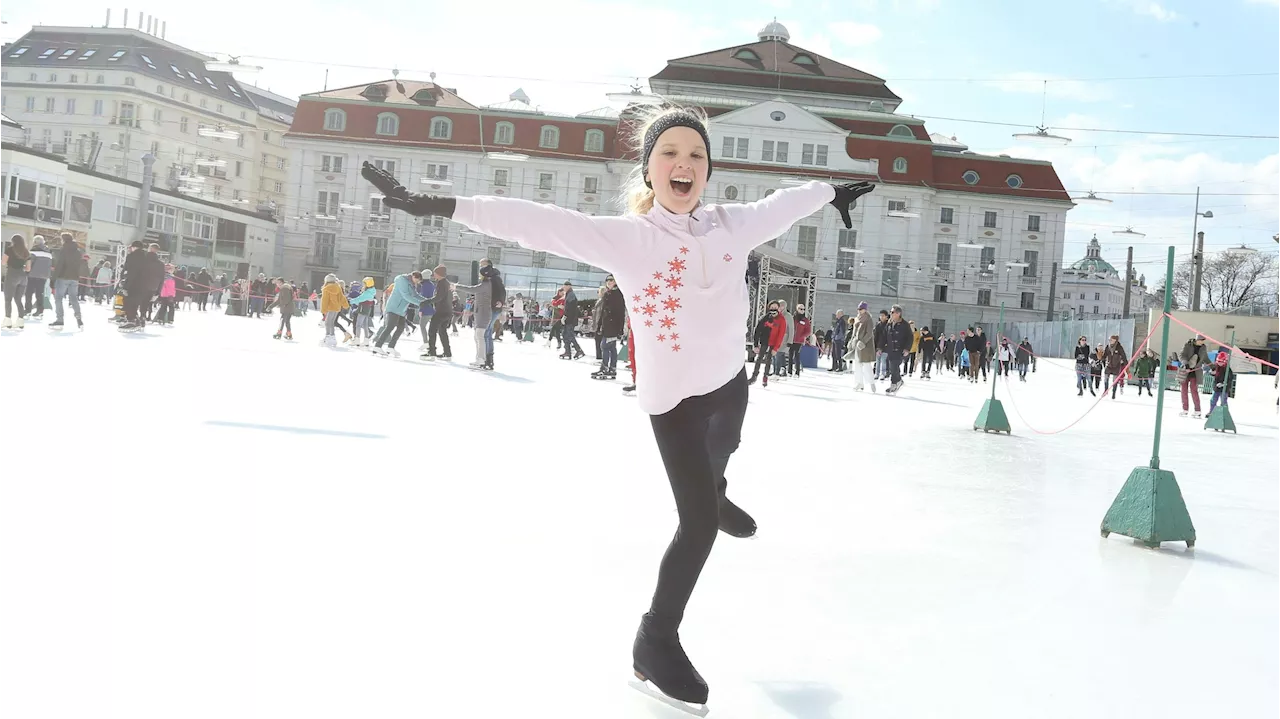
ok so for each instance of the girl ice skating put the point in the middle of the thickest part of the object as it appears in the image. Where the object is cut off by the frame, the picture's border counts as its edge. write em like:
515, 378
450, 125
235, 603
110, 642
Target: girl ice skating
680, 266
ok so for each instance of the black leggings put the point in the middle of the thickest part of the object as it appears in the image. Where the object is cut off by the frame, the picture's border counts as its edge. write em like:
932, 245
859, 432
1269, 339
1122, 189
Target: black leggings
285, 323
391, 330
695, 440
765, 357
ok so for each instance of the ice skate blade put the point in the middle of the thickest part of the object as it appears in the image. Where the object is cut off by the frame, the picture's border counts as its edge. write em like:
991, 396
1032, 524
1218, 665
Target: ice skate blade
642, 685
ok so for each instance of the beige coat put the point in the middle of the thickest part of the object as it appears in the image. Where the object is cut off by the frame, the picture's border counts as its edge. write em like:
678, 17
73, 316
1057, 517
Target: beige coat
864, 332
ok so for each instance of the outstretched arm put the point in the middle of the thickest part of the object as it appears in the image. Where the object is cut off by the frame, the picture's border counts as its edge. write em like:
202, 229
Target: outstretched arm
758, 222
601, 241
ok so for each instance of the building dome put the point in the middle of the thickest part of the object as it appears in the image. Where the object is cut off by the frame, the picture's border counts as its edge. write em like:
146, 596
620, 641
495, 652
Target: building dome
774, 31
1093, 264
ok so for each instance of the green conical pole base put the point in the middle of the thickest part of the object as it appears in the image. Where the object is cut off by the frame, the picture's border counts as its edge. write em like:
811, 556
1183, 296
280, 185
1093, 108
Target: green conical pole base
1220, 419
528, 332
1150, 509
992, 418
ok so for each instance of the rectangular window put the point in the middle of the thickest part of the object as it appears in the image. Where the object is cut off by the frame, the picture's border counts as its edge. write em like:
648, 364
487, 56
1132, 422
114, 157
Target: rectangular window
1082, 297
1066, 295
31, 104
198, 225
889, 275
808, 244
947, 216
939, 327
989, 219
806, 154
590, 184
265, 157
266, 136
428, 254
988, 259
581, 267
376, 209
331, 163
239, 168
279, 186
184, 125
279, 163
1033, 223
766, 151
897, 205
984, 298
157, 116
1081, 310
546, 180
240, 140
377, 252
500, 177
494, 253
1032, 258
1028, 301
944, 256
939, 293
1097, 296
821, 159
325, 245
846, 258
726, 149
782, 152
126, 215
1095, 309
50, 104
540, 260
71, 106
743, 145
327, 203
434, 172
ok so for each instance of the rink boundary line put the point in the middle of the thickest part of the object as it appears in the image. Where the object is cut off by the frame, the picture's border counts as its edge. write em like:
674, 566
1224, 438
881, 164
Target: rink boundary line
1096, 402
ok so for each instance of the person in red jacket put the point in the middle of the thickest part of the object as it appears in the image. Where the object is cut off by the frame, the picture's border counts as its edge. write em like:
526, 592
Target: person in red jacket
801, 327
770, 333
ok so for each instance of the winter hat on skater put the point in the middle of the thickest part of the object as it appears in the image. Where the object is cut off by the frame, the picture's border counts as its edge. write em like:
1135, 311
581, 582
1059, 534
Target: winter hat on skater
330, 278
368, 282
678, 118
862, 305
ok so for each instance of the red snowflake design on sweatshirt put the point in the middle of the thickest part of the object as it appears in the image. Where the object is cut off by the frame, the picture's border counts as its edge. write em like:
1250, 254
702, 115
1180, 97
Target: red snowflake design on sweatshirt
674, 282
648, 323
684, 250
652, 291
675, 348
657, 275
667, 322
635, 298
676, 264
649, 309
671, 304
728, 257
662, 338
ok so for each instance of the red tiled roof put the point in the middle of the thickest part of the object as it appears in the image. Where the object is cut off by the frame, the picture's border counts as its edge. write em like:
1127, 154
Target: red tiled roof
784, 81
775, 57
444, 97
1039, 181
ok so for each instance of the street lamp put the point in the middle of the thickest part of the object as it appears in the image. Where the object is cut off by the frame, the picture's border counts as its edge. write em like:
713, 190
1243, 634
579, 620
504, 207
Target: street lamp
1197, 251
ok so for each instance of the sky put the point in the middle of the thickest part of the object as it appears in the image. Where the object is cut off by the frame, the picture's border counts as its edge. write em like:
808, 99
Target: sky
973, 62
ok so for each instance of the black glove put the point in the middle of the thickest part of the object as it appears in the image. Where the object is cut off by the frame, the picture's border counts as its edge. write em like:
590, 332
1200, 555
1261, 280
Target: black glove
847, 198
397, 197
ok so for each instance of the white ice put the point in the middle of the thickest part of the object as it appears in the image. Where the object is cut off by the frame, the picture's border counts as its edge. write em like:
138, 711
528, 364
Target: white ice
200, 521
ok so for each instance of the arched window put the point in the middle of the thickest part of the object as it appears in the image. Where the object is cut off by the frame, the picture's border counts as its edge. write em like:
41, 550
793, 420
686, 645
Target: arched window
159, 89
900, 164
745, 54
388, 124
731, 193
441, 128
549, 137
128, 81
334, 119
504, 133
595, 141
901, 131
876, 106
803, 59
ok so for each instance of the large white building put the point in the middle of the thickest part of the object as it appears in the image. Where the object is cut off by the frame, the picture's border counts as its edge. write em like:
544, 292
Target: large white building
1092, 289
104, 96
46, 195
949, 234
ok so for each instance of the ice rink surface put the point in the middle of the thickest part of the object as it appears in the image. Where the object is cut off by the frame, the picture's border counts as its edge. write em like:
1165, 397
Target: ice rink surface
200, 521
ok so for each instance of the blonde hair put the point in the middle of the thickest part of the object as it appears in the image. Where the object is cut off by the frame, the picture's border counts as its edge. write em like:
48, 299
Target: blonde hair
637, 198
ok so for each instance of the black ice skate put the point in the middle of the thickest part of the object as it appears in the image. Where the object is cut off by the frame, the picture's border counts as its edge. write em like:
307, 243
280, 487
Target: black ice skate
734, 521
629, 389
658, 660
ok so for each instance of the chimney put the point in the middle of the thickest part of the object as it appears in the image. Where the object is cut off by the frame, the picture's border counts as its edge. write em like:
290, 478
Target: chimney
163, 26
150, 20
108, 18
141, 18
126, 18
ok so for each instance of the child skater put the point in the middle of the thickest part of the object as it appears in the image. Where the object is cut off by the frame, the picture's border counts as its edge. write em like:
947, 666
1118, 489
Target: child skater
362, 307
680, 264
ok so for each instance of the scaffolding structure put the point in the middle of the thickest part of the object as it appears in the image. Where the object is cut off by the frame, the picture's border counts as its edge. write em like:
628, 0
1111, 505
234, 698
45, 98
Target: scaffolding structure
779, 269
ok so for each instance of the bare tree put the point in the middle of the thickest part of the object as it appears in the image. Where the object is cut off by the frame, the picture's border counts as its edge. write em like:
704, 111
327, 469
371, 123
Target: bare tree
1230, 280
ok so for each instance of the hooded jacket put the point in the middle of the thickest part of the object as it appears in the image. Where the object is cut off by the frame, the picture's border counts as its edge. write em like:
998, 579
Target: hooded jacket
66, 263
1144, 367
1024, 353
284, 300
899, 337
926, 342
1115, 358
403, 295
41, 261
613, 313
332, 298
442, 300
801, 328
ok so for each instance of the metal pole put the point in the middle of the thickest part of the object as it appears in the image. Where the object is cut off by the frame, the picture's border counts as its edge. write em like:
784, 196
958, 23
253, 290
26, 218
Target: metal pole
1053, 292
996, 349
1128, 281
1226, 376
144, 197
1195, 225
1164, 359
1199, 272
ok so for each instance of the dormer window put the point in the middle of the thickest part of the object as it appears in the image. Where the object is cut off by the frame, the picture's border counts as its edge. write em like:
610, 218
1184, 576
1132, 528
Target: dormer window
425, 96
375, 92
803, 59
901, 131
746, 54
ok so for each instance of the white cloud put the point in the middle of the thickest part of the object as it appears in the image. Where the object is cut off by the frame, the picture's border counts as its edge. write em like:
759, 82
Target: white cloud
1155, 10
1033, 83
854, 34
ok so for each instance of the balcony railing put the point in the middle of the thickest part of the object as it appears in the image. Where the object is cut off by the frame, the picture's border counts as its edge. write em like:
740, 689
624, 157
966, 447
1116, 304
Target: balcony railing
1025, 280
322, 260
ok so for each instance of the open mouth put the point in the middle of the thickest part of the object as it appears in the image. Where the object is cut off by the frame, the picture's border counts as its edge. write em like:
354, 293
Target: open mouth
681, 186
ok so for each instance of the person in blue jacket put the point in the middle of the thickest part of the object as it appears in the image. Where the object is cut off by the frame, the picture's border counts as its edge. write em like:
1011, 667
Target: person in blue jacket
404, 294
362, 308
